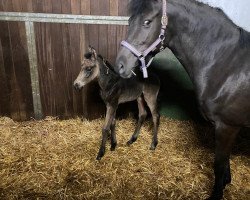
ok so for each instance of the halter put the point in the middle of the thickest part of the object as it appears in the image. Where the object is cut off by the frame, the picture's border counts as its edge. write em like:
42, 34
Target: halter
142, 55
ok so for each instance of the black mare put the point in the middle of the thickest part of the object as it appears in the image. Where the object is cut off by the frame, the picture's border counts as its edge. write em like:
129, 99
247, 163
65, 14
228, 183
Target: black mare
216, 55
116, 90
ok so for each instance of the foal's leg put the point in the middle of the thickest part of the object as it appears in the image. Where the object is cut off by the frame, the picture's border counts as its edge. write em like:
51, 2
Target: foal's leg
152, 104
142, 117
224, 137
110, 115
113, 135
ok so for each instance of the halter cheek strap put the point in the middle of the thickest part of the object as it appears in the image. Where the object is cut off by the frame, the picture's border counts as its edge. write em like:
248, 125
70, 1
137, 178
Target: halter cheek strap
142, 55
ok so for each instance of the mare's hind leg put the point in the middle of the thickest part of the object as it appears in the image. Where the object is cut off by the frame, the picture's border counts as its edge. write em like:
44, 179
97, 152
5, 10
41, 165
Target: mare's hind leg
142, 117
113, 135
110, 115
224, 137
152, 104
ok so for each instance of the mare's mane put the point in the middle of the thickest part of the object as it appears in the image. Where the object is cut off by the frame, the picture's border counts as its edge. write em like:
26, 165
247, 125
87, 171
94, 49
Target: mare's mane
137, 7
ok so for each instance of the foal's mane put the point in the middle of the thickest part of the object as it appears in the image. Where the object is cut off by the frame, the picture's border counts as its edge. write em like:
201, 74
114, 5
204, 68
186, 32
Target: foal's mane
88, 55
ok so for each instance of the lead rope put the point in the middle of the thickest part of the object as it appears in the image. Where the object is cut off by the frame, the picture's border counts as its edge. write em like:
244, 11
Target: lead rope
142, 55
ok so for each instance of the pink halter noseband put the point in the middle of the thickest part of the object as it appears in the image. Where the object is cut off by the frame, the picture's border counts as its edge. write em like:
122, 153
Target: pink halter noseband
142, 55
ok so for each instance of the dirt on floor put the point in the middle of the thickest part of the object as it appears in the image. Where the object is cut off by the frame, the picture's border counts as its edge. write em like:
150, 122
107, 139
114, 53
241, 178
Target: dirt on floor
53, 159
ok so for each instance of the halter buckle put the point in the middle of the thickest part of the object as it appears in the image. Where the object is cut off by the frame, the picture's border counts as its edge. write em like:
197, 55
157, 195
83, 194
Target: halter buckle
164, 20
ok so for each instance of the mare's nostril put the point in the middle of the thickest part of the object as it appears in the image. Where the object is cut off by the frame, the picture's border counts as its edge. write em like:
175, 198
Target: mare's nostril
121, 68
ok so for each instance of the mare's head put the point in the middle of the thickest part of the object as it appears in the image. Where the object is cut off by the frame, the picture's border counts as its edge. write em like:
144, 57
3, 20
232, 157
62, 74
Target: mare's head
89, 69
144, 28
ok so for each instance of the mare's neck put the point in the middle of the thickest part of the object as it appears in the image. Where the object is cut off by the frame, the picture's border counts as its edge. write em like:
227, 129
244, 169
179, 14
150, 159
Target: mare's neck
197, 33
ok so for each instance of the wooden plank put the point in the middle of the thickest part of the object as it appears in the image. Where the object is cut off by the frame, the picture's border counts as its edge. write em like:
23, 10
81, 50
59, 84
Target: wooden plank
76, 7
94, 29
84, 42
38, 6
113, 7
75, 67
7, 6
1, 5
59, 78
20, 100
85, 7
4, 88
27, 6
45, 62
75, 56
21, 65
103, 30
112, 44
17, 5
68, 89
66, 6
47, 6
123, 8
7, 71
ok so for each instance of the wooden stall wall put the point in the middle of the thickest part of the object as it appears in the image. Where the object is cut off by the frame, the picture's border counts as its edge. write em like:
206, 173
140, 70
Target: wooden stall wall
15, 84
60, 48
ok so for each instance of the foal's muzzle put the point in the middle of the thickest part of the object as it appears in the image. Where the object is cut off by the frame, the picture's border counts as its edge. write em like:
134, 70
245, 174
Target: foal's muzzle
77, 87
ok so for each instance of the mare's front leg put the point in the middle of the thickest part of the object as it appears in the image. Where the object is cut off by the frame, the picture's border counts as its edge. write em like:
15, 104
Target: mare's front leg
224, 138
142, 117
110, 115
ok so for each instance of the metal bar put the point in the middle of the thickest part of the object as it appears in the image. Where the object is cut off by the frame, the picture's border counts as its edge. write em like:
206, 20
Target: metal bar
30, 33
62, 18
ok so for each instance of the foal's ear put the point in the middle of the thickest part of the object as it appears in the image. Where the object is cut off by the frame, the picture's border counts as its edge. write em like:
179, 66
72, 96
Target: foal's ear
93, 52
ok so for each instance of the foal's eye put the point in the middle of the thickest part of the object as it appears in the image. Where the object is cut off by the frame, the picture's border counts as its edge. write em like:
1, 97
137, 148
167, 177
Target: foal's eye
147, 23
88, 69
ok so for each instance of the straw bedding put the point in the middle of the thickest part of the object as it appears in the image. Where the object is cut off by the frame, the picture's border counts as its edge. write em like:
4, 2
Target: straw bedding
54, 159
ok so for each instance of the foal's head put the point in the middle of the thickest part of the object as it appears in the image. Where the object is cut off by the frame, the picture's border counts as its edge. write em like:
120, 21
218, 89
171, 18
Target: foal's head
89, 70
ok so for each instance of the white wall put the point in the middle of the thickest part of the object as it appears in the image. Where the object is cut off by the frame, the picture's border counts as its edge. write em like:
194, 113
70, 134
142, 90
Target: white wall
237, 10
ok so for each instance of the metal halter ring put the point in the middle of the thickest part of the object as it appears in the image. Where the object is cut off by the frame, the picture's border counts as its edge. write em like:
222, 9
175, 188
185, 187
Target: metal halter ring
164, 20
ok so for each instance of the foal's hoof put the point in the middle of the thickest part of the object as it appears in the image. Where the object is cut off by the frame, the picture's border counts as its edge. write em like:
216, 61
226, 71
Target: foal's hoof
153, 146
100, 155
129, 143
113, 146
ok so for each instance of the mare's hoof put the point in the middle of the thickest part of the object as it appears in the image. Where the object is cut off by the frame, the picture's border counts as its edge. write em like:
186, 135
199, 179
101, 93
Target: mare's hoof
216, 196
227, 179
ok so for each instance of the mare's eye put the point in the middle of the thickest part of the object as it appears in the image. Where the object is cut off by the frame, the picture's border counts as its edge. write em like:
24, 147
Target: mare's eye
147, 23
